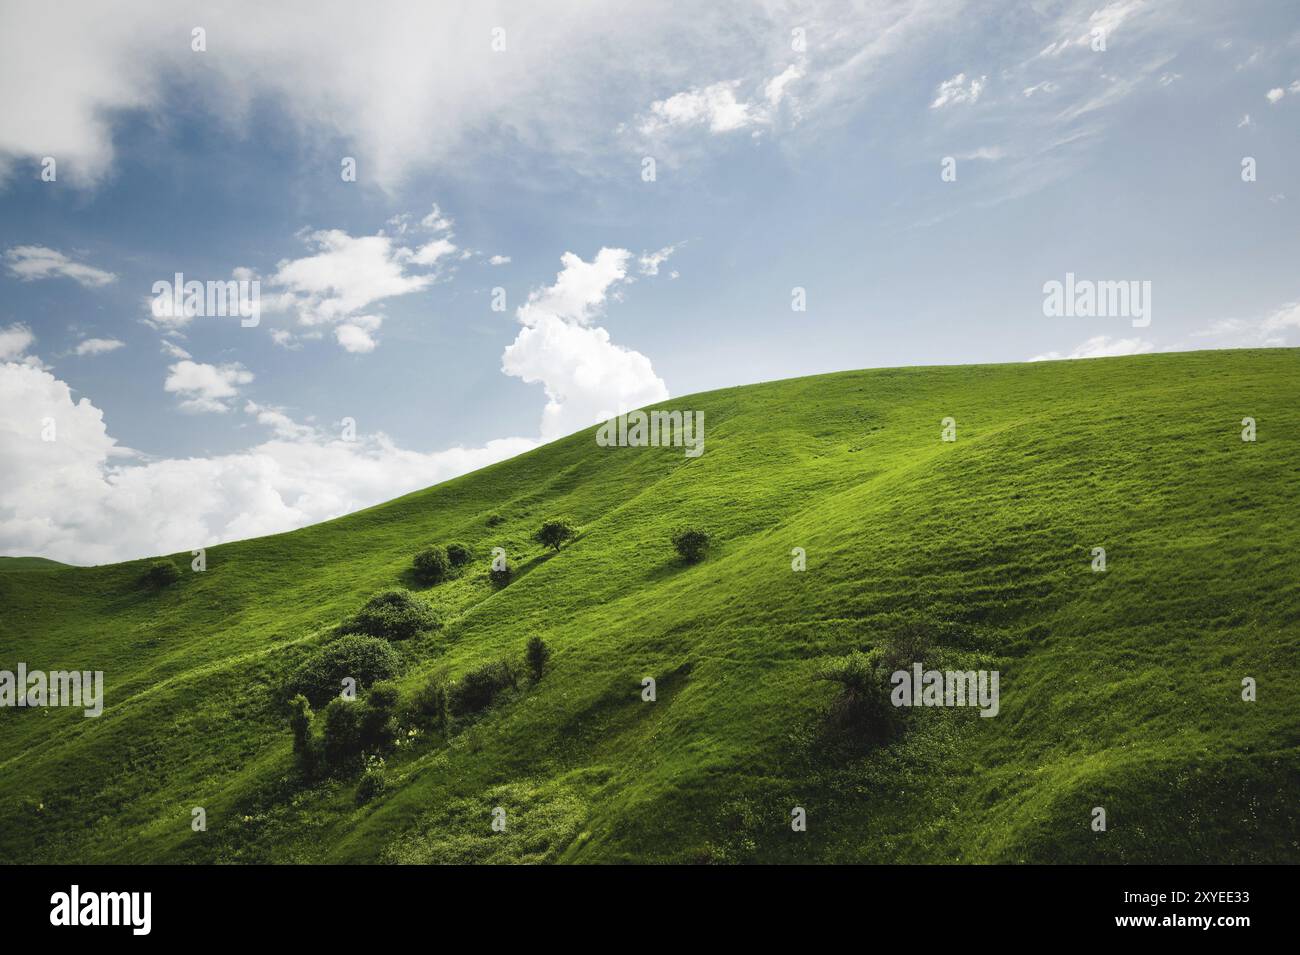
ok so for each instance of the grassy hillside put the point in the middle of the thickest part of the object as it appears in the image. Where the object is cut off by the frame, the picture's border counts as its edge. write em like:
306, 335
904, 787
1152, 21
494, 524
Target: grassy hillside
1119, 689
28, 563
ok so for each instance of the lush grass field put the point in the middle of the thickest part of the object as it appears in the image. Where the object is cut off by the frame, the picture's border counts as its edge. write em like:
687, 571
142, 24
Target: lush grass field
1119, 689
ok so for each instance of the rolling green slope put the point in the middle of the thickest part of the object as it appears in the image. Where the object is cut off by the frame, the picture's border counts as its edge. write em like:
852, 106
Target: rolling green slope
1120, 690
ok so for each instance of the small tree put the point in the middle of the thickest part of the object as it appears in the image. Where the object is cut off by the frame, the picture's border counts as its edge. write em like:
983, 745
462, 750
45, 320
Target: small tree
342, 733
537, 654
378, 723
161, 573
459, 554
863, 706
556, 532
432, 566
300, 722
429, 704
691, 544
373, 782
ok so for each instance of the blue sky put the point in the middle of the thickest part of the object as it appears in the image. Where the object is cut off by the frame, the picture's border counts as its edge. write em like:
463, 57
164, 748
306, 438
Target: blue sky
795, 145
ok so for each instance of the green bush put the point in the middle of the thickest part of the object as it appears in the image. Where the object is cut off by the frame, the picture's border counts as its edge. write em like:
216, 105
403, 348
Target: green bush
863, 706
537, 653
373, 782
342, 732
394, 614
495, 520
300, 722
364, 659
429, 704
556, 532
379, 716
500, 577
432, 565
691, 544
476, 690
459, 554
161, 573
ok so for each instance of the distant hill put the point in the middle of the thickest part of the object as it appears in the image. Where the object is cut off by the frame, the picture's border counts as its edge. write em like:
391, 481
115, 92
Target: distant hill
29, 563
1120, 690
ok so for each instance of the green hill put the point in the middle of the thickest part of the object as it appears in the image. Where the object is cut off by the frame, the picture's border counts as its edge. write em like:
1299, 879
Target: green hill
28, 563
1119, 689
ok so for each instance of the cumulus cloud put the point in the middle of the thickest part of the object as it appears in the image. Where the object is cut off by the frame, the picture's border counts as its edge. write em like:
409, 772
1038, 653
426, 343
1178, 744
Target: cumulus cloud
587, 378
346, 275
206, 388
958, 90
98, 346
15, 339
1101, 346
499, 260
32, 262
357, 334
1275, 94
84, 499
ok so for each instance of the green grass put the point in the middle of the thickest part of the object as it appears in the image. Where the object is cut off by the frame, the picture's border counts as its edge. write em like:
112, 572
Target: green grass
1119, 689
28, 563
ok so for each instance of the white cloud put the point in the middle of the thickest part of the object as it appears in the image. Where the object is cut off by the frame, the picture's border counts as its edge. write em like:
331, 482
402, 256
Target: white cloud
986, 154
98, 346
499, 260
172, 350
31, 262
14, 341
75, 499
436, 221
444, 92
1101, 346
1245, 121
1277, 328
345, 275
1046, 86
431, 252
85, 499
958, 90
648, 263
357, 334
713, 106
774, 91
1275, 94
587, 377
206, 388
1101, 22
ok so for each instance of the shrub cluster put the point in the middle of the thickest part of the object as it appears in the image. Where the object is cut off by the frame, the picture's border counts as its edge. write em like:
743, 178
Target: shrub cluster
364, 659
349, 729
476, 690
691, 544
161, 573
432, 565
459, 554
394, 614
